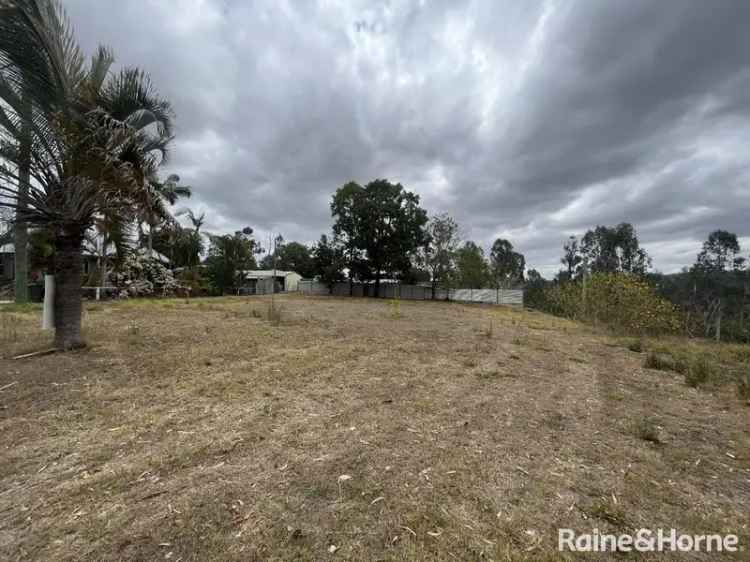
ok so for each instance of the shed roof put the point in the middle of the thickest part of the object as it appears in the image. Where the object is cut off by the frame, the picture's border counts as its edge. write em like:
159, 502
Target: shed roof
264, 273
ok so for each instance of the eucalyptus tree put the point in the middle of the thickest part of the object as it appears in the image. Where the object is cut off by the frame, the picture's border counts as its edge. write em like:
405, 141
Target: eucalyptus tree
472, 270
506, 265
613, 250
94, 140
438, 255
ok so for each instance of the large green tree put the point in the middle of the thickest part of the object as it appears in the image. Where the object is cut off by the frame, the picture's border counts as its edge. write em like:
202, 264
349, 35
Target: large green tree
328, 262
438, 256
506, 265
381, 226
613, 250
229, 256
720, 253
472, 270
94, 139
720, 285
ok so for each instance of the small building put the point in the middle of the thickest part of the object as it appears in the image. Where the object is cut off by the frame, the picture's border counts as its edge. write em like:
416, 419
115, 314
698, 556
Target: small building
264, 281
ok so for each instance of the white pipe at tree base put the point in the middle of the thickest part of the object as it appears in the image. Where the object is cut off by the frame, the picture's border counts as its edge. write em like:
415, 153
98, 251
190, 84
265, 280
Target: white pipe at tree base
48, 313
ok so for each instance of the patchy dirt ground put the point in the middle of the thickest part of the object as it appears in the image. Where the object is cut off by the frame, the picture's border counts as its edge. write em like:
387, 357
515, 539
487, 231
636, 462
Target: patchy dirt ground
352, 429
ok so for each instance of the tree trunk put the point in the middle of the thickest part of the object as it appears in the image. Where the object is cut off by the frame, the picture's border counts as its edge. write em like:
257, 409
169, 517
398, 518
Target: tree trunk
718, 321
377, 284
68, 261
21, 265
433, 289
21, 233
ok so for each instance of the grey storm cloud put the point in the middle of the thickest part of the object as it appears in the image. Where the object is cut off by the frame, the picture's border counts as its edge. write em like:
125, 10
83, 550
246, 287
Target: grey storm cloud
526, 120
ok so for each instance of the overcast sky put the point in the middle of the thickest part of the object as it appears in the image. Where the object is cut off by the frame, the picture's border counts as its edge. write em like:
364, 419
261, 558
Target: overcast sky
524, 120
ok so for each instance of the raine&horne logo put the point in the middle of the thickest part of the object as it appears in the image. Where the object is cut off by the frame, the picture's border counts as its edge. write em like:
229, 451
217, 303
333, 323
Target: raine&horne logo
645, 540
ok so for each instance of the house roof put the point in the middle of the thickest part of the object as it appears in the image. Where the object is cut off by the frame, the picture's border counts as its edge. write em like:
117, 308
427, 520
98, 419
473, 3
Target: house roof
265, 273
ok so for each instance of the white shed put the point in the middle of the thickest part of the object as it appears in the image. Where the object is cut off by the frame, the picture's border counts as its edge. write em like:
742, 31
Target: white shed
261, 280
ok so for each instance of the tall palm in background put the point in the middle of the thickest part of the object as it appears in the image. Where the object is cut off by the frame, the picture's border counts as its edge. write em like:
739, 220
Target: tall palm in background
152, 204
94, 140
194, 245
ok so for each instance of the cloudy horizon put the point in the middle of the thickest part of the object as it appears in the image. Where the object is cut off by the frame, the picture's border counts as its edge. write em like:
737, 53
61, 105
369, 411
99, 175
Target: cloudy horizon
529, 121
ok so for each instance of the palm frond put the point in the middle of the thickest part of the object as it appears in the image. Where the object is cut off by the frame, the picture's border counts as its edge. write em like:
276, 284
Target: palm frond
130, 95
38, 52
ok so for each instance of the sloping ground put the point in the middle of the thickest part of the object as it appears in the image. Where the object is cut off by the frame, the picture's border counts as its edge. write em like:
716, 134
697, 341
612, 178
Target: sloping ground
413, 431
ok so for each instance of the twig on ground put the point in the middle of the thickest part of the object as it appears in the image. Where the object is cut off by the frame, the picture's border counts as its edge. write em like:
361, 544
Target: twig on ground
37, 353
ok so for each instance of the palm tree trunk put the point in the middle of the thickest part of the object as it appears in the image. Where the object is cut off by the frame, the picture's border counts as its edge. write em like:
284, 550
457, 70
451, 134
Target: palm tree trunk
21, 233
21, 265
68, 262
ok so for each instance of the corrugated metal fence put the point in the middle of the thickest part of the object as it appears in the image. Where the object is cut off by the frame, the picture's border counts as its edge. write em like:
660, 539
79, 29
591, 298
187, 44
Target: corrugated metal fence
414, 292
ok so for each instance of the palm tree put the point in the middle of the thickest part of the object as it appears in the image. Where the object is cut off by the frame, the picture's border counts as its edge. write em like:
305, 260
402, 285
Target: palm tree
153, 200
194, 246
94, 139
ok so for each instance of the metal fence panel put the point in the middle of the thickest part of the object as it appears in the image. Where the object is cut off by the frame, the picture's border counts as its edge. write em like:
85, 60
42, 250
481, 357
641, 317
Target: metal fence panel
414, 292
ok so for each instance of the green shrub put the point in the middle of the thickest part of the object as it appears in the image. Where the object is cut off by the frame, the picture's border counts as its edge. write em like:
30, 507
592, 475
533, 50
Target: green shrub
698, 372
619, 301
636, 346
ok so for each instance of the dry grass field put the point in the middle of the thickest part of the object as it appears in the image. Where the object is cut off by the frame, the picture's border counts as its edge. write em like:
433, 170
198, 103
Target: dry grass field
354, 429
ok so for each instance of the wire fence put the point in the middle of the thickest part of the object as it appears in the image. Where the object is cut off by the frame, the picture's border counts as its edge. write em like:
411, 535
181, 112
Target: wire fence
413, 292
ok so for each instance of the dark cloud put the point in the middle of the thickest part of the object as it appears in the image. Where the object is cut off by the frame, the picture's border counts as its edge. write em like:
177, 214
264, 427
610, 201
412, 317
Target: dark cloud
528, 120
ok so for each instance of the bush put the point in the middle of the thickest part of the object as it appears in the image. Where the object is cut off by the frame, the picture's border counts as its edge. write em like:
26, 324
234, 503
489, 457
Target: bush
698, 372
194, 280
619, 301
636, 346
659, 361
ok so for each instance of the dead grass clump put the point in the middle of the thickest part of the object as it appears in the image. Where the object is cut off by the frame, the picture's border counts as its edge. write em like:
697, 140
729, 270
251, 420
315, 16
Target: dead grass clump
274, 313
648, 430
8, 329
395, 308
609, 512
659, 362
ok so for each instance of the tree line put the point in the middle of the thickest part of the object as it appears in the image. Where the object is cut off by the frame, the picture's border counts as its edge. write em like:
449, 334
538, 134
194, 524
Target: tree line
380, 232
710, 297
